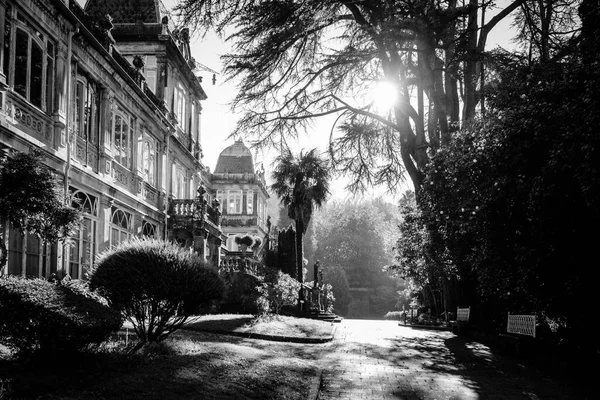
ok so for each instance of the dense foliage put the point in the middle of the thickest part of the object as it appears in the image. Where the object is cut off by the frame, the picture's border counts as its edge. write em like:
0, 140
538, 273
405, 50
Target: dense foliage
507, 220
31, 200
37, 316
157, 285
354, 242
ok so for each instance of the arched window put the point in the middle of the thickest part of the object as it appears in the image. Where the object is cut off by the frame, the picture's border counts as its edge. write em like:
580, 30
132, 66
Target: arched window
149, 230
82, 249
121, 223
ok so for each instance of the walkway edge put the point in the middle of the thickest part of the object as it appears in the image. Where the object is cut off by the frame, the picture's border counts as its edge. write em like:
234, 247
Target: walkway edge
315, 386
273, 338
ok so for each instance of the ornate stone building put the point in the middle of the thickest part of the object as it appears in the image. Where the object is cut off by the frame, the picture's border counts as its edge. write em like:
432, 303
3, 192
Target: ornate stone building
241, 190
110, 93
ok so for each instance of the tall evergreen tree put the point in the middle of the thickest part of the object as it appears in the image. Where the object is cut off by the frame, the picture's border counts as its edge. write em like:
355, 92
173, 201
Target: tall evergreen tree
302, 183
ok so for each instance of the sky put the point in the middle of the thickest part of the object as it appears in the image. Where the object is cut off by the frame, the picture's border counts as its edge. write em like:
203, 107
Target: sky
218, 121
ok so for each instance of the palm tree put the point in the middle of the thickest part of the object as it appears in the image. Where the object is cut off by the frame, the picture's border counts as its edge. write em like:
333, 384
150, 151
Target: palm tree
301, 183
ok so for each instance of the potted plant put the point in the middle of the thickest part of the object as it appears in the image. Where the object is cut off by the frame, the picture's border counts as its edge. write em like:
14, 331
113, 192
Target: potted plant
244, 242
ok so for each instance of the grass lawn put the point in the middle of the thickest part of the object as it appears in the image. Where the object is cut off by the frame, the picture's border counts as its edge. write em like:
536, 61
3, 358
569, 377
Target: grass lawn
277, 325
188, 365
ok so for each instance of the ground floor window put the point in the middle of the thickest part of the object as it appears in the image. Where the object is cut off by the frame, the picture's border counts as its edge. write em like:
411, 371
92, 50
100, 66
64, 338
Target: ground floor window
40, 257
82, 249
121, 223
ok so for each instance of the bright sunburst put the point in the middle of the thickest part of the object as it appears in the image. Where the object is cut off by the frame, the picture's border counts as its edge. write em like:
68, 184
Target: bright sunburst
384, 95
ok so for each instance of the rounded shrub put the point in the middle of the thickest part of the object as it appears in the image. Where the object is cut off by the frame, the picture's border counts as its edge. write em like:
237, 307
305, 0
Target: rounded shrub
156, 284
37, 316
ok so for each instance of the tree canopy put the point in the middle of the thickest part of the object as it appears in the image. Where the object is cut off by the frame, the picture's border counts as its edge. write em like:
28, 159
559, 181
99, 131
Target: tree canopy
301, 60
30, 199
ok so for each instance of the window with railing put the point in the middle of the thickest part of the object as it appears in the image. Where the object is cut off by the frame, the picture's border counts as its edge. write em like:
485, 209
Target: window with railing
85, 110
178, 187
234, 200
149, 159
180, 106
28, 60
250, 202
122, 133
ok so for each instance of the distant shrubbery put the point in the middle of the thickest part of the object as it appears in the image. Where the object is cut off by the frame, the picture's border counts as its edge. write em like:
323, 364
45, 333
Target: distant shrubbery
157, 285
279, 289
260, 294
395, 315
37, 316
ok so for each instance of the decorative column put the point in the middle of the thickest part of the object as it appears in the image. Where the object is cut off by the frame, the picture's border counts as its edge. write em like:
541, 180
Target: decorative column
60, 94
105, 132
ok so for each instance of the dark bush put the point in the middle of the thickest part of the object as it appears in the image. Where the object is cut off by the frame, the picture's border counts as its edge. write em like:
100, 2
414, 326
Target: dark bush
157, 285
37, 316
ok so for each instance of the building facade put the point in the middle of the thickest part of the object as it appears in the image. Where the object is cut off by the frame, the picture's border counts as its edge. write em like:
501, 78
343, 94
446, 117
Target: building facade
111, 95
241, 190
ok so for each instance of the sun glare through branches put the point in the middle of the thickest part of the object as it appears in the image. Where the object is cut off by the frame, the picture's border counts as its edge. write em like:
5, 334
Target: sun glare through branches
383, 96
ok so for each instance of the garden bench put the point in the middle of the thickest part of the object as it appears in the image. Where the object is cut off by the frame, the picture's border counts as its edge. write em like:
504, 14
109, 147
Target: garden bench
519, 329
462, 318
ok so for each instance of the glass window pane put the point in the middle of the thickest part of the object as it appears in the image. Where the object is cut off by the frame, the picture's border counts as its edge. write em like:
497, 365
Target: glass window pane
35, 74
7, 41
49, 84
21, 62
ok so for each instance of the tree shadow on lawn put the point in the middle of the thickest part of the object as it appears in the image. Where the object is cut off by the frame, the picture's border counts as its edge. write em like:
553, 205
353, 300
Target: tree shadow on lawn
434, 365
190, 366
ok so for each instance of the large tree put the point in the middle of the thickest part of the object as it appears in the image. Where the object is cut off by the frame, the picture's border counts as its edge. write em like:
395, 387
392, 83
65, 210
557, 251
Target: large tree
301, 182
31, 200
298, 60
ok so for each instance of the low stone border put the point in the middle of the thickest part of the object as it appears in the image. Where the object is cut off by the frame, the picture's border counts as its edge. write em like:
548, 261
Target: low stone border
273, 338
426, 327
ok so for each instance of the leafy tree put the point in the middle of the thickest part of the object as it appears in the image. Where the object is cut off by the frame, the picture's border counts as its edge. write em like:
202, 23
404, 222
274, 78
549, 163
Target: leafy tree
357, 237
157, 285
513, 199
301, 183
31, 200
420, 259
301, 60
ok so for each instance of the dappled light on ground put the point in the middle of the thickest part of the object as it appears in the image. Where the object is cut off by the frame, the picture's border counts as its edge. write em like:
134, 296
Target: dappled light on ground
381, 360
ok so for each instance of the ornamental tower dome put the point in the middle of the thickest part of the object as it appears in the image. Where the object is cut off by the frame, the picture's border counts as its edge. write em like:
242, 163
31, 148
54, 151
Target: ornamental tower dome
235, 159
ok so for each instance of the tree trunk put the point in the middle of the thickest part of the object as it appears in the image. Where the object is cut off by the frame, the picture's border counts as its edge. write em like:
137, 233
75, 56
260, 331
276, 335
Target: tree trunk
24, 254
4, 248
470, 79
299, 263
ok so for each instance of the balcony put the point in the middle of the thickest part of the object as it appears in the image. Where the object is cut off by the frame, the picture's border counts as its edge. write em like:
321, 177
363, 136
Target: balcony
188, 214
236, 220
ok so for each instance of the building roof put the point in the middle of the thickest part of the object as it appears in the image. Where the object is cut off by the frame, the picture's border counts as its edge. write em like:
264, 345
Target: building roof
126, 11
235, 159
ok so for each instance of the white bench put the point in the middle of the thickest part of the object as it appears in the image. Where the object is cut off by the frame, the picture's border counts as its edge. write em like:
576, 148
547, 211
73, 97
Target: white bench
519, 326
462, 318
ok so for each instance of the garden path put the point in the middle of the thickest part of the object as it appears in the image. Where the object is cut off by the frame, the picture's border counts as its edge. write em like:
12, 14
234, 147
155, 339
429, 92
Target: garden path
382, 360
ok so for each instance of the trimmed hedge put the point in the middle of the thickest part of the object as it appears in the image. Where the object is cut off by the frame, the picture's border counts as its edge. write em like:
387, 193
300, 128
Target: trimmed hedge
155, 284
37, 316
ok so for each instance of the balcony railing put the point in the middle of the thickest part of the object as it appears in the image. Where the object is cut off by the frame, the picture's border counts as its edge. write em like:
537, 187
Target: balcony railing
188, 209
